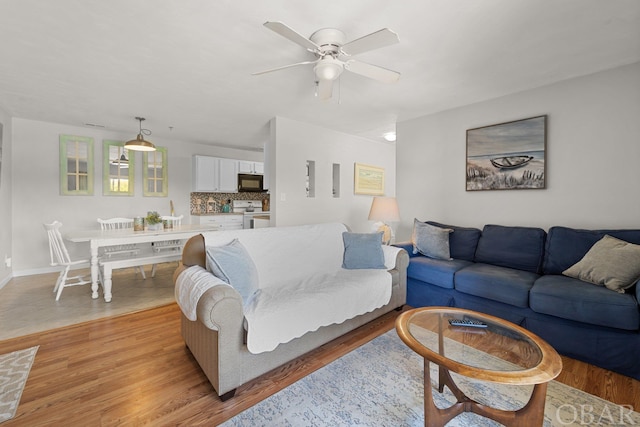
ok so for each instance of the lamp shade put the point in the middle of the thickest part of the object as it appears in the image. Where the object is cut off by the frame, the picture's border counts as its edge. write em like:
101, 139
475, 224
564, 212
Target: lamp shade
139, 144
328, 69
384, 209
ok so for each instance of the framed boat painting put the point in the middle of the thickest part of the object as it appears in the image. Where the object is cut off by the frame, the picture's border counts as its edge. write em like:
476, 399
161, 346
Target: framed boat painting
507, 156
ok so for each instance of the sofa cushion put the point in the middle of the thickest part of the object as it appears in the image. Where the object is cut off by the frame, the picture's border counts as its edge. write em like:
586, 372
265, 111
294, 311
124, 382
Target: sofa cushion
611, 262
435, 271
430, 241
362, 250
276, 315
573, 299
462, 242
566, 246
232, 264
514, 247
506, 285
298, 250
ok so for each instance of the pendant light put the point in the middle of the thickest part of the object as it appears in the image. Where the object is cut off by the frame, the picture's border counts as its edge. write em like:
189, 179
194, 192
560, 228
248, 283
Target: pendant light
122, 162
139, 144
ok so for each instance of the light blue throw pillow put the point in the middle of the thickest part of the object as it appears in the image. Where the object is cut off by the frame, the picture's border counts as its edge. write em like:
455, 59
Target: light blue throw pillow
362, 250
430, 240
233, 264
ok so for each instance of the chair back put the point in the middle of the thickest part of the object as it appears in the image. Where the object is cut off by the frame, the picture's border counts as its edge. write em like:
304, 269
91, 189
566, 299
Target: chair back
57, 250
115, 223
174, 221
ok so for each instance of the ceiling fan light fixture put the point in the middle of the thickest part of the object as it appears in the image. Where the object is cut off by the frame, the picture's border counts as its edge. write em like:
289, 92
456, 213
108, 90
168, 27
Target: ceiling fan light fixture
140, 144
328, 69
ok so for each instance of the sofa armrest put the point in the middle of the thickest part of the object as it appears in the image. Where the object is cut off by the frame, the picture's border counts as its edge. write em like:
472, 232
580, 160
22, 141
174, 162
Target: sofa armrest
399, 274
220, 308
407, 246
391, 256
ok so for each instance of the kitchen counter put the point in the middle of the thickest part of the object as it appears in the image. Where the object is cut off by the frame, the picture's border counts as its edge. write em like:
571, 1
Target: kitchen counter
217, 213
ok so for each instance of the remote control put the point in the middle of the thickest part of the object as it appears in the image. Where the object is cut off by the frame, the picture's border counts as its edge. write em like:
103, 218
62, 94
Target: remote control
467, 322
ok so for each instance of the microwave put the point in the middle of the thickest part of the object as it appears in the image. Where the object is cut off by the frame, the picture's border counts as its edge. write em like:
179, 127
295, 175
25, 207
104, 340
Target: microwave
250, 182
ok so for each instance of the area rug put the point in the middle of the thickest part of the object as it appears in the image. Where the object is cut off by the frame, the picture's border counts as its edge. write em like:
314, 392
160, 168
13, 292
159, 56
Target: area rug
381, 384
14, 370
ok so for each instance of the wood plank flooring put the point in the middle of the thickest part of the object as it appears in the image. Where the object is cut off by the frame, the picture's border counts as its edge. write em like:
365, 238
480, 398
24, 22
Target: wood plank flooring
135, 370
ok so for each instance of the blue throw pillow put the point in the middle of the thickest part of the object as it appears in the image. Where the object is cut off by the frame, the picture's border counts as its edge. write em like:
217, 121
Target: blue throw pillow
362, 250
232, 264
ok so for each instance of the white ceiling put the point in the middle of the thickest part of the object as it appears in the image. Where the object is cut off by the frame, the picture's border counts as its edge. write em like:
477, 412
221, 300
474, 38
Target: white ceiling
187, 64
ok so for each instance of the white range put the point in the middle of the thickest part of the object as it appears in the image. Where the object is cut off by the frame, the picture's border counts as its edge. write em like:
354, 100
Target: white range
249, 208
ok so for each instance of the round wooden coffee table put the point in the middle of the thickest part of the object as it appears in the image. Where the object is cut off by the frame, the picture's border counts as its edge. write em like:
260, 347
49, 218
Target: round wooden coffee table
501, 353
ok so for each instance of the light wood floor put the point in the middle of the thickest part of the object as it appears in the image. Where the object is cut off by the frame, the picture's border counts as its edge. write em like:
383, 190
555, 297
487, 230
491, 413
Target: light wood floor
135, 370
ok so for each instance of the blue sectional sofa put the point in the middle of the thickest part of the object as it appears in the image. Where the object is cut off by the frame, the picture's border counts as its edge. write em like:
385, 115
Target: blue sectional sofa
516, 273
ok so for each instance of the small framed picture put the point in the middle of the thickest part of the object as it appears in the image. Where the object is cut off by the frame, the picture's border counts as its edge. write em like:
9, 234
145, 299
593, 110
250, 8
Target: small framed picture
368, 180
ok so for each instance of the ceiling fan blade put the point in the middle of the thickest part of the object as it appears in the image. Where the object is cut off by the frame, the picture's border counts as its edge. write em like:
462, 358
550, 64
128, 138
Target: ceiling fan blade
325, 89
284, 67
380, 38
372, 71
292, 35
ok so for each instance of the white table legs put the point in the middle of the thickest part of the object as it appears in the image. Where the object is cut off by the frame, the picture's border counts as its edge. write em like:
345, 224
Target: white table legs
95, 269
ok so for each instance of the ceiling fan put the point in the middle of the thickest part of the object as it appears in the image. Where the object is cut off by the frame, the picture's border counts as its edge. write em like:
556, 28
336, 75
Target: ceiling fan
329, 47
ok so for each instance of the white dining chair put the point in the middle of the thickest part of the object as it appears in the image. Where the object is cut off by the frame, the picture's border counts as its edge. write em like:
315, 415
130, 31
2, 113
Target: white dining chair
171, 245
60, 258
130, 249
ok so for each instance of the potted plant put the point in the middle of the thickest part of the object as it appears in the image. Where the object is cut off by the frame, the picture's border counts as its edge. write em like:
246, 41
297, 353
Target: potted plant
153, 221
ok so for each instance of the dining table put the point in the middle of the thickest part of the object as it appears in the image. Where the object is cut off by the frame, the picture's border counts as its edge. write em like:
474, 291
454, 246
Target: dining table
102, 238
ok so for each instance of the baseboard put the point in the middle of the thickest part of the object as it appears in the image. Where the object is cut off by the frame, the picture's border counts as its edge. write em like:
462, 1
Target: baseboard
44, 270
6, 280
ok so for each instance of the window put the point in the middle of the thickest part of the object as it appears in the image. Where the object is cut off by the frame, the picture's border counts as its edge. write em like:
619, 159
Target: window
118, 169
311, 178
335, 171
155, 181
76, 165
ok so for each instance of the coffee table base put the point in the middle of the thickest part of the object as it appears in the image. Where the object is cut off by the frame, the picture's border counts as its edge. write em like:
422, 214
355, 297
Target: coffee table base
532, 414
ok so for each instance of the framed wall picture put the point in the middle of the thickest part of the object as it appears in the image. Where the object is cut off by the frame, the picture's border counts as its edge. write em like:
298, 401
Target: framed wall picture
118, 169
507, 156
76, 165
368, 180
154, 173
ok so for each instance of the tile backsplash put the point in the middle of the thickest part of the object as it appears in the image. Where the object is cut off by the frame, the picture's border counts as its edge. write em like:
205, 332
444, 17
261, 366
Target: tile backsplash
198, 201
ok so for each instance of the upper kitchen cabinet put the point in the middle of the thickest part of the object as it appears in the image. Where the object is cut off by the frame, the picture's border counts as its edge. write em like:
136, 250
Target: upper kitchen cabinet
250, 167
228, 175
215, 174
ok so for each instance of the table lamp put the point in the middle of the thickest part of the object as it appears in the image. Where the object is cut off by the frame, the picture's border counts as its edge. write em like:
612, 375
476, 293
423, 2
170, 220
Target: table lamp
384, 210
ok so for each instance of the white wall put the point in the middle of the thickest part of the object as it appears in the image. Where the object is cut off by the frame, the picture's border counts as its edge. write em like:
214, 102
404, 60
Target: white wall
5, 197
292, 143
593, 158
36, 196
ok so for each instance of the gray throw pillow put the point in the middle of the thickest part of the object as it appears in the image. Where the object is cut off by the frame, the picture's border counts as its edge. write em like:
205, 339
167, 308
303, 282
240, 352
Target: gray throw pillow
233, 264
430, 240
362, 250
610, 262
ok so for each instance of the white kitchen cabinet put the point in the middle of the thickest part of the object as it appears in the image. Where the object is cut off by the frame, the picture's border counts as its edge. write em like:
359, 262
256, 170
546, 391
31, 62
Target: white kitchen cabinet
228, 175
223, 221
204, 171
215, 174
245, 166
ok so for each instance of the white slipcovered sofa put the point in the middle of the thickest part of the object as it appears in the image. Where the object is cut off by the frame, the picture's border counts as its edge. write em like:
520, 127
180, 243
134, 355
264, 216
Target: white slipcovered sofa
304, 296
